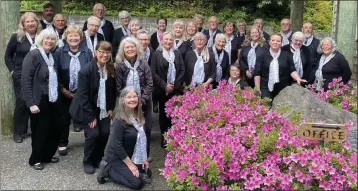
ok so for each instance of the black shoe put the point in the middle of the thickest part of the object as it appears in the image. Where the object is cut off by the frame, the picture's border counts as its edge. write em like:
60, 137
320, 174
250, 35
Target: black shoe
155, 108
55, 160
38, 166
62, 152
88, 169
101, 177
18, 139
163, 142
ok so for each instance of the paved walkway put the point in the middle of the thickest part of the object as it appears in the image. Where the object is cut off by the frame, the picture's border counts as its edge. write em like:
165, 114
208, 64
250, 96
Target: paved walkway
68, 174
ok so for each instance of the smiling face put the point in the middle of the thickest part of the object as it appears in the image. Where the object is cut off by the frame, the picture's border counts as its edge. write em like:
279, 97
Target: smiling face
135, 27
327, 47
259, 24
73, 39
242, 27
30, 24
307, 29
168, 41
200, 42
103, 56
131, 100
48, 14
162, 26
48, 43
234, 72
286, 26
178, 31
99, 11
92, 27
275, 42
220, 44
144, 40
229, 29
254, 34
199, 23
297, 43
191, 29
130, 51
213, 24
60, 22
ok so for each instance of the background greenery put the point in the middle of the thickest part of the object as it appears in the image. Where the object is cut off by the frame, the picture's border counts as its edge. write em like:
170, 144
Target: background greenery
320, 13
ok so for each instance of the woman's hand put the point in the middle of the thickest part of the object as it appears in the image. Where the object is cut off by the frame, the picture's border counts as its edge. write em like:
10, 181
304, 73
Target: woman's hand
93, 124
301, 82
134, 169
34, 109
67, 94
169, 89
110, 114
145, 165
248, 74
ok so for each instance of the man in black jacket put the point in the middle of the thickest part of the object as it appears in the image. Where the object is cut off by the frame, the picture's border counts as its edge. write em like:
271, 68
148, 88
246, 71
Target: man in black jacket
311, 42
47, 16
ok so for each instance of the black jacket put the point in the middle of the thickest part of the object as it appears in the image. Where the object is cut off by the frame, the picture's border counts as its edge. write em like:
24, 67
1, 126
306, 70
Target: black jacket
99, 39
43, 24
267, 37
235, 46
84, 105
313, 52
154, 42
108, 30
116, 41
245, 52
160, 68
207, 34
15, 54
34, 78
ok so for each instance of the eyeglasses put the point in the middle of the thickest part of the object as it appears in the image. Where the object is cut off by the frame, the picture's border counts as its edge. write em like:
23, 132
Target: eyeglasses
131, 97
124, 18
104, 52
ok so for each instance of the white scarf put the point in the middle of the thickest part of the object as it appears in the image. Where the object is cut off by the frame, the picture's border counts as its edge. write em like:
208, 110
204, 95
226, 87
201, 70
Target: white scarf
218, 59
308, 41
319, 76
170, 57
75, 67
133, 76
147, 55
274, 70
48, 25
198, 74
211, 38
126, 32
297, 60
176, 46
32, 42
91, 46
100, 30
60, 40
251, 56
52, 83
101, 99
140, 149
228, 47
285, 38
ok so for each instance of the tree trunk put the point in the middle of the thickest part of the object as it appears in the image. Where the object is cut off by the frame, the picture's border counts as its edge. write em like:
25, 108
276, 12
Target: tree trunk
57, 5
9, 18
297, 10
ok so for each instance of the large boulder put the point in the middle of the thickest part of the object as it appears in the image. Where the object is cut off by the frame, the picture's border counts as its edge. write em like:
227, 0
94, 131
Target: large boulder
301, 100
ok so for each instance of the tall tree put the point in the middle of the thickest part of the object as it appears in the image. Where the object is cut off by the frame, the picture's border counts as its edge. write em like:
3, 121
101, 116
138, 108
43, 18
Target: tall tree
297, 11
9, 18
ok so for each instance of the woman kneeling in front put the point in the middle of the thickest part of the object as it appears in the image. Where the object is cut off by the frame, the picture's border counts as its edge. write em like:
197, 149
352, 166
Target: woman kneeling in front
125, 160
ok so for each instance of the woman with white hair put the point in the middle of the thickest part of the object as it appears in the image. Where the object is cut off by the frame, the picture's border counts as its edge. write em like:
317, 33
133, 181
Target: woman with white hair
40, 90
92, 37
300, 55
180, 42
60, 27
191, 30
332, 64
134, 26
125, 17
133, 70
18, 46
168, 76
221, 59
212, 31
200, 65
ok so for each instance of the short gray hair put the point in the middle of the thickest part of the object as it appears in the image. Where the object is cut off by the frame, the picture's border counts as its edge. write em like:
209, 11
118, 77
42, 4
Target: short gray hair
220, 36
120, 57
124, 14
333, 42
298, 36
133, 21
47, 33
59, 15
93, 18
98, 4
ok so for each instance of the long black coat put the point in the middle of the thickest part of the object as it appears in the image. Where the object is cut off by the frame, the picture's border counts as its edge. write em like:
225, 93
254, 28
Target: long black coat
84, 105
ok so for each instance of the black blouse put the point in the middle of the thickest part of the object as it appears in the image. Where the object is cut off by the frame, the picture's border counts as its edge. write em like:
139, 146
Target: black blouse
15, 54
286, 67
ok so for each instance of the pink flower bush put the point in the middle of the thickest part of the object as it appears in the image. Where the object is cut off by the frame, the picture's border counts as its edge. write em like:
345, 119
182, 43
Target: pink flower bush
230, 140
342, 96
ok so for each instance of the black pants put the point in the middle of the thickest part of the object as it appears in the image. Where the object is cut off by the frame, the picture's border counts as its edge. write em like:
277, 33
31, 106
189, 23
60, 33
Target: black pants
65, 122
148, 109
22, 112
45, 132
250, 82
265, 92
119, 173
95, 141
164, 121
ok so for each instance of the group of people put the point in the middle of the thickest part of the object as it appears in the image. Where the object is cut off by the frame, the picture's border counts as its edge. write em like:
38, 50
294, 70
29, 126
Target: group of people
67, 73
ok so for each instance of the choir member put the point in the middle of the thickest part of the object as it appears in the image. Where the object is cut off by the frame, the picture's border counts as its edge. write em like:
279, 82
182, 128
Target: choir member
180, 42
125, 161
311, 42
92, 37
47, 15
93, 104
274, 68
212, 31
133, 70
191, 30
199, 21
222, 59
259, 23
157, 37
168, 76
200, 65
40, 90
122, 31
134, 26
332, 64
253, 47
286, 31
241, 34
60, 27
73, 56
300, 55
233, 43
237, 77
106, 27
19, 45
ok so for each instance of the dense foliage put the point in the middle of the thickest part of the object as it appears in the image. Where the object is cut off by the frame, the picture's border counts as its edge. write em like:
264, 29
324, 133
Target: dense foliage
318, 12
230, 140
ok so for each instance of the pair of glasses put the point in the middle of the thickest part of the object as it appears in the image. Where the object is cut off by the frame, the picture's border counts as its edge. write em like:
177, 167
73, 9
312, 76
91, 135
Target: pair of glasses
104, 52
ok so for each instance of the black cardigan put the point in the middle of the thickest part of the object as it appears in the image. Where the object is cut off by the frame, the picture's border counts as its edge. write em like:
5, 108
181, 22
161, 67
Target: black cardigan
235, 46
209, 67
286, 67
108, 30
15, 54
116, 41
154, 42
121, 142
245, 52
313, 52
160, 70
84, 105
34, 78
